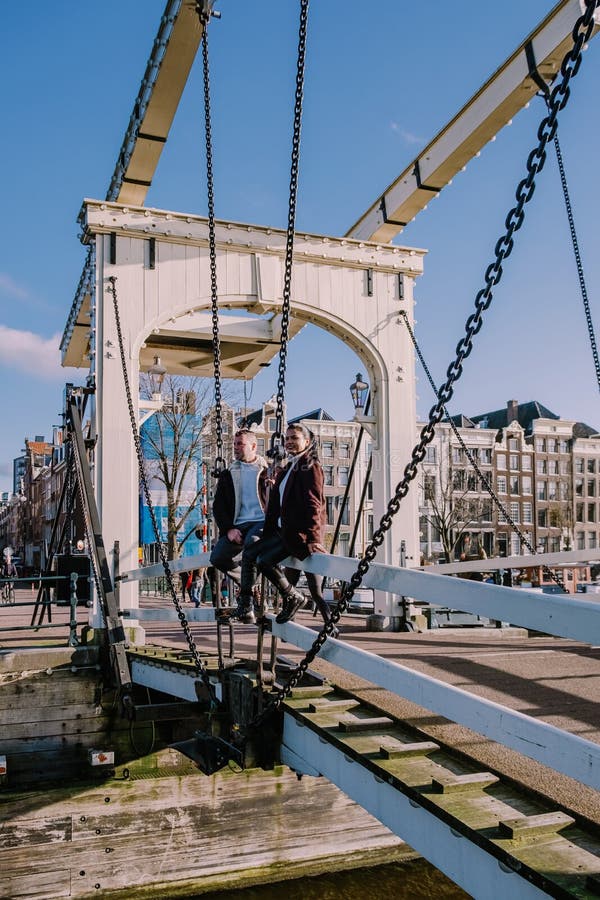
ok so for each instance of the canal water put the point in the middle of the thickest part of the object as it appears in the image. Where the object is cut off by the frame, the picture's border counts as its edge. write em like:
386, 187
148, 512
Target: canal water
414, 880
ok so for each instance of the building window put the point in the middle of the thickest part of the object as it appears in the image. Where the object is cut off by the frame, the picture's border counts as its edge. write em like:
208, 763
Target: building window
431, 454
502, 544
513, 444
330, 509
429, 487
553, 466
527, 513
581, 540
502, 516
591, 512
345, 515
542, 490
555, 544
579, 487
526, 463
542, 518
343, 474
551, 490
514, 512
514, 461
327, 450
260, 446
459, 480
485, 456
579, 514
592, 544
501, 460
344, 451
514, 484
486, 511
540, 445
591, 466
501, 481
543, 544
579, 465
526, 484
541, 467
328, 474
563, 488
552, 445
369, 527
564, 446
515, 545
563, 467
591, 488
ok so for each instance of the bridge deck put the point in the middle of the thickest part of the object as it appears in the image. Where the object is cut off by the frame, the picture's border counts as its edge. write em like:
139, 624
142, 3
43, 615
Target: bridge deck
551, 679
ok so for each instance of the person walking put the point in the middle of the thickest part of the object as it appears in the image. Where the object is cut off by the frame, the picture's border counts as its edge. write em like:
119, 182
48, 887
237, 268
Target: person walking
294, 522
239, 511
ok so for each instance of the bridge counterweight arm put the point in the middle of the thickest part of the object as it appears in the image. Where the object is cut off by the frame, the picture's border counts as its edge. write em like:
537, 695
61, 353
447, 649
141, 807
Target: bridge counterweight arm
507, 91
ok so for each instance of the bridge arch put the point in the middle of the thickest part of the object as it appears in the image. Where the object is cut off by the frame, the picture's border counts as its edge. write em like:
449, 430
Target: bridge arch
352, 289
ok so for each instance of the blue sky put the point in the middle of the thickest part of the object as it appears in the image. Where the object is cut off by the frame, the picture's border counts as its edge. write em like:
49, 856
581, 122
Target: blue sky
380, 83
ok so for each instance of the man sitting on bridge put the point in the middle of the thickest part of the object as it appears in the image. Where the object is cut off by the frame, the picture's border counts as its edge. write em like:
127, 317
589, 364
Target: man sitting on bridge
239, 511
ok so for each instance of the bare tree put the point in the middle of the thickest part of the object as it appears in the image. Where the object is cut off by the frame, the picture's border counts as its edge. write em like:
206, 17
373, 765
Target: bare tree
172, 444
448, 507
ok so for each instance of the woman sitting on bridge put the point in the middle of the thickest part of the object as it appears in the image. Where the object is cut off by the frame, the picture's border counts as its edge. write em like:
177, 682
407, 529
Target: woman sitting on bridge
294, 522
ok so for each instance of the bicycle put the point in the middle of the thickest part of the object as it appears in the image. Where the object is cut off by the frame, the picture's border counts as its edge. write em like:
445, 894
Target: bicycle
8, 592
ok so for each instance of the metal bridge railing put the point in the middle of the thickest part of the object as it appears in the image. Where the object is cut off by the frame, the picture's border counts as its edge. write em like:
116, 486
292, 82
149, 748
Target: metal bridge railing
9, 601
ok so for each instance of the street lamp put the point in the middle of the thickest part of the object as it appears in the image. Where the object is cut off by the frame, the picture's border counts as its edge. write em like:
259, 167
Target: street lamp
156, 375
359, 391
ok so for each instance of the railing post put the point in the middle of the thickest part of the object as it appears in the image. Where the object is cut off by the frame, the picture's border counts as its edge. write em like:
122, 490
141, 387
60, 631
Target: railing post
73, 640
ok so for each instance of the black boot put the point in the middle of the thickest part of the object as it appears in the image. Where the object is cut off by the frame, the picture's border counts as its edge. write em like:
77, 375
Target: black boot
244, 612
293, 600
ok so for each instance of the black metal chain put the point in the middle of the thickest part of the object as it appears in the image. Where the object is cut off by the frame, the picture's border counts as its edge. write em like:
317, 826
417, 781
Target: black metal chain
219, 461
276, 449
578, 262
200, 667
483, 478
504, 246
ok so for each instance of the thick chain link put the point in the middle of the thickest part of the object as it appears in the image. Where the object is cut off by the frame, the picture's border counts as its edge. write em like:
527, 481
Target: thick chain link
483, 478
200, 667
277, 438
535, 163
219, 461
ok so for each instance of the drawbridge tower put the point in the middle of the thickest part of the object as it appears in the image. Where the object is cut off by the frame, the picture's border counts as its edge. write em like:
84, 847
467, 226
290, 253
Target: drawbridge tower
353, 289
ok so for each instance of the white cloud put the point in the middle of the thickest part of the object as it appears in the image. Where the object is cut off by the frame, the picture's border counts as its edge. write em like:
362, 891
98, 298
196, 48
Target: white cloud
9, 286
28, 352
407, 136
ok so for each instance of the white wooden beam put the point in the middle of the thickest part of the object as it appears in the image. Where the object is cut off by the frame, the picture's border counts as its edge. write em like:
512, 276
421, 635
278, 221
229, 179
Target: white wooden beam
490, 109
567, 753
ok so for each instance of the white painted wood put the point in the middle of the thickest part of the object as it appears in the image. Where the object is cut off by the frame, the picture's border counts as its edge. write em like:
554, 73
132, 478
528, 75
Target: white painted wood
329, 289
467, 864
563, 558
558, 614
560, 750
161, 678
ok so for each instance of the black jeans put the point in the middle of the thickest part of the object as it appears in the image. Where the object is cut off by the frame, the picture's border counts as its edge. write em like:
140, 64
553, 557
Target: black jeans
266, 554
225, 555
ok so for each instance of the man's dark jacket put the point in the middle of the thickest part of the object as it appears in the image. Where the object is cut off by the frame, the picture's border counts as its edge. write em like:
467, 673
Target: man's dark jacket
227, 498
